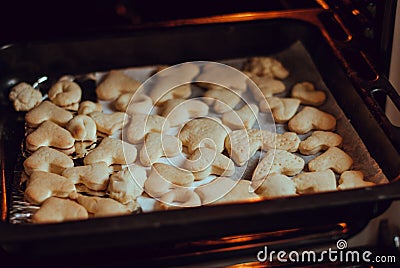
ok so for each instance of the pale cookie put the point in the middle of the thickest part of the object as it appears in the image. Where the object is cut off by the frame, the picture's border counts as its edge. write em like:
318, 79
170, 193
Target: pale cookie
55, 210
276, 185
42, 185
82, 128
319, 141
264, 86
94, 176
141, 124
87, 107
266, 66
47, 159
65, 93
315, 182
245, 117
310, 118
222, 99
283, 109
25, 97
173, 83
163, 177
113, 152
47, 111
224, 190
278, 161
127, 185
81, 188
334, 158
134, 103
108, 123
204, 162
203, 132
178, 198
306, 93
52, 135
243, 144
114, 84
178, 111
105, 207
353, 179
217, 76
157, 145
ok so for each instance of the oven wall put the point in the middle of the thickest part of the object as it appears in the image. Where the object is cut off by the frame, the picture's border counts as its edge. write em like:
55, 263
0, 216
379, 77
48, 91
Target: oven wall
394, 72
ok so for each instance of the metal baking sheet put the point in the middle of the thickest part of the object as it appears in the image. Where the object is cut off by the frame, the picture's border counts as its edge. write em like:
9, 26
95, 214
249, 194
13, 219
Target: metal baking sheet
301, 67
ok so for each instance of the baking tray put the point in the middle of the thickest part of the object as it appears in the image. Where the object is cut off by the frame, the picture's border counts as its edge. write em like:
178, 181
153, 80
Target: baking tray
352, 82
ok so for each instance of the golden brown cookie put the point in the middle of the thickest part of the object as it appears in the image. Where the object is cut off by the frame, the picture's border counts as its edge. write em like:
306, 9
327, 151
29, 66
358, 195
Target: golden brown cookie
56, 209
47, 111
310, 118
114, 84
47, 159
25, 97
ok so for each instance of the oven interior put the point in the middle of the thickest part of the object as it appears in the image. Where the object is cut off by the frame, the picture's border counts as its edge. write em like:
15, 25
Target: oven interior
355, 79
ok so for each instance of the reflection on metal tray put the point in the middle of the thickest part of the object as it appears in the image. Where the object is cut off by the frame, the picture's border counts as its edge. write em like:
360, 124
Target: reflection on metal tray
169, 43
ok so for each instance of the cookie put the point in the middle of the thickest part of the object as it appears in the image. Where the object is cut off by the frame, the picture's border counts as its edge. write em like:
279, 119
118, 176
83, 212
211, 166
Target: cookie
178, 198
65, 93
127, 185
283, 109
43, 185
353, 179
224, 190
55, 210
319, 141
157, 145
163, 177
266, 66
87, 107
25, 97
263, 86
315, 182
47, 159
276, 185
108, 123
141, 124
278, 161
203, 132
94, 176
173, 82
113, 152
134, 103
82, 128
47, 111
334, 158
204, 162
243, 144
306, 93
114, 84
310, 118
52, 135
179, 111
222, 99
219, 76
105, 207
245, 117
